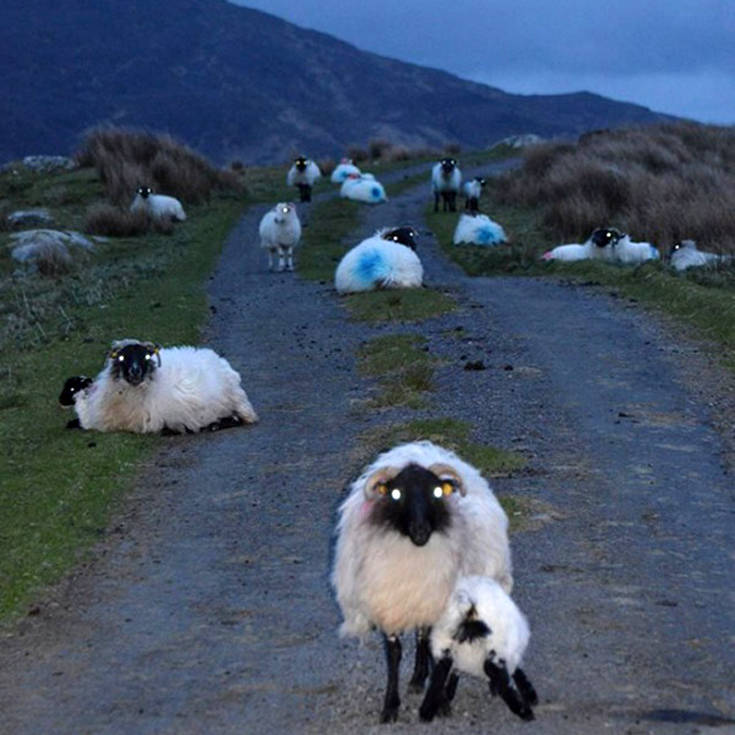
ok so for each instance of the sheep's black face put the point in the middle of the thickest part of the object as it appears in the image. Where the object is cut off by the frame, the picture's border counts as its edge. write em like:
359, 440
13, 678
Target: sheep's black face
404, 235
133, 363
144, 191
413, 503
448, 165
481, 181
605, 236
72, 386
300, 163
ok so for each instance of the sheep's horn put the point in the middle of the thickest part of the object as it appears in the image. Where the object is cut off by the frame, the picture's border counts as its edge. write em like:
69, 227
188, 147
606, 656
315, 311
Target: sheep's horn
378, 478
445, 470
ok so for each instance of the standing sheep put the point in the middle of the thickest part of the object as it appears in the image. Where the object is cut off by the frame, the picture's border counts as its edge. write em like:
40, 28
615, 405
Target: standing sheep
473, 191
158, 206
478, 229
280, 233
446, 179
416, 520
303, 174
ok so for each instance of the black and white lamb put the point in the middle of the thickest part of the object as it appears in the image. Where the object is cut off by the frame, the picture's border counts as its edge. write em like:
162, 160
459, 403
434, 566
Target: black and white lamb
303, 174
144, 388
417, 519
472, 191
446, 179
158, 206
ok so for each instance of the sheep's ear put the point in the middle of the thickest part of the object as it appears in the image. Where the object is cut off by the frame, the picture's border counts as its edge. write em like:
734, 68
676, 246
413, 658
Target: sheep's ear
375, 485
447, 472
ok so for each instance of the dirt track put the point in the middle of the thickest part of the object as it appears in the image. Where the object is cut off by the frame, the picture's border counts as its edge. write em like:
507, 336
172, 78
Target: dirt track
209, 610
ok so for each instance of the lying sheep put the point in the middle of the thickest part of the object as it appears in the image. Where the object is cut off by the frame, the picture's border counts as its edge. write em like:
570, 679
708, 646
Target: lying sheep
472, 191
363, 188
144, 388
158, 206
446, 179
599, 246
629, 252
303, 174
385, 260
416, 520
481, 632
478, 229
685, 254
343, 170
280, 233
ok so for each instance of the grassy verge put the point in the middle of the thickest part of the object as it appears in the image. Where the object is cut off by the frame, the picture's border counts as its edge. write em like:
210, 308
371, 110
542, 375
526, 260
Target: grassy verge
400, 305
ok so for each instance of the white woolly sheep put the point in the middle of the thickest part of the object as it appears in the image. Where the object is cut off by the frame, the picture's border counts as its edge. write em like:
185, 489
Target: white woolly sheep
385, 260
446, 179
685, 254
303, 174
481, 632
472, 191
599, 246
416, 520
478, 229
629, 252
343, 169
158, 206
280, 233
363, 188
144, 388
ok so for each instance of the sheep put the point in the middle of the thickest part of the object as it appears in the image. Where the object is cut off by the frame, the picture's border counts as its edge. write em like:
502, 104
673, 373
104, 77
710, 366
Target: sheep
363, 188
685, 254
158, 206
472, 191
144, 388
599, 246
446, 179
478, 229
629, 252
385, 260
303, 174
416, 520
72, 386
343, 170
481, 632
280, 232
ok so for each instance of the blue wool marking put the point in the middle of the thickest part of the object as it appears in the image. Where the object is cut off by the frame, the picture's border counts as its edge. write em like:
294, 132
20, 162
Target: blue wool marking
370, 267
376, 193
654, 253
488, 235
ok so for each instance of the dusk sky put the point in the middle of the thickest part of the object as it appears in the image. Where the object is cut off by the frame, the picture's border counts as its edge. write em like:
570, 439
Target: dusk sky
675, 56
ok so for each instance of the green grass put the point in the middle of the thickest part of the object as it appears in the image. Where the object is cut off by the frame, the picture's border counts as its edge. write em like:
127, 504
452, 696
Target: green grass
399, 305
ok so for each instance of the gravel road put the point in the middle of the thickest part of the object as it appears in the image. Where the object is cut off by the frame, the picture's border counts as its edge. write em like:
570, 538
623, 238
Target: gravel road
207, 608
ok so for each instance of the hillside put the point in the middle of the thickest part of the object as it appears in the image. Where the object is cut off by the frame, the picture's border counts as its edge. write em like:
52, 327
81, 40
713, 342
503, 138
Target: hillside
238, 83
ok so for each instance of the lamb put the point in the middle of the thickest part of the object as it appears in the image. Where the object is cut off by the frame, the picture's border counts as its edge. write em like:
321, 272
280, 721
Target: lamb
144, 388
478, 229
280, 233
416, 520
385, 260
158, 206
685, 254
363, 188
303, 174
473, 190
446, 179
629, 252
599, 246
343, 169
481, 632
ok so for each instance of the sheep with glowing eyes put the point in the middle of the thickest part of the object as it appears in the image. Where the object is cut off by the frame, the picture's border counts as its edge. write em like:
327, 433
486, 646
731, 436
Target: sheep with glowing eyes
144, 388
472, 191
598, 246
280, 233
303, 174
446, 178
158, 206
685, 254
416, 520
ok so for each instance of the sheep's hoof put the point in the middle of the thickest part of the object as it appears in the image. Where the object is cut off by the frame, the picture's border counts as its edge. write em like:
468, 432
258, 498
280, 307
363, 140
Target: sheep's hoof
73, 424
389, 714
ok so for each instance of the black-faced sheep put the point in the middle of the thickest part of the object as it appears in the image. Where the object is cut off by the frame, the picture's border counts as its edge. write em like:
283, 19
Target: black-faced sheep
685, 254
158, 206
446, 179
303, 174
280, 233
473, 191
599, 246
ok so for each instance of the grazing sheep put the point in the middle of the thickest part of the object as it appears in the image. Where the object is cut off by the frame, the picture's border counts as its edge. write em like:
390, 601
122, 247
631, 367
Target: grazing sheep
473, 191
685, 254
280, 232
481, 632
416, 520
158, 206
363, 188
599, 246
385, 260
144, 388
626, 251
446, 179
343, 170
478, 229
303, 174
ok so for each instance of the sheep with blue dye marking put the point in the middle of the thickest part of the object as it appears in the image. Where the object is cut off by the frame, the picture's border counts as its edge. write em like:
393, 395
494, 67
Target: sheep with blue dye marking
478, 229
472, 191
280, 233
685, 254
303, 174
385, 260
631, 253
416, 520
446, 178
483, 633
344, 169
599, 246
144, 388
363, 188
157, 206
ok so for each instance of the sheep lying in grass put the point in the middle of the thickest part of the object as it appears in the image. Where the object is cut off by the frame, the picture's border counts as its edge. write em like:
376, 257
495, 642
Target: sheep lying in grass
144, 388
599, 246
478, 229
481, 632
385, 260
473, 191
158, 206
629, 252
416, 520
280, 233
446, 179
303, 174
343, 170
685, 254
363, 188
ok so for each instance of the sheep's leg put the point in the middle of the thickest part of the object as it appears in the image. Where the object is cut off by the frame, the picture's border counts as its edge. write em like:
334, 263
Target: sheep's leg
289, 259
436, 702
436, 201
73, 424
270, 259
501, 684
451, 689
452, 201
304, 192
525, 687
393, 657
281, 259
422, 661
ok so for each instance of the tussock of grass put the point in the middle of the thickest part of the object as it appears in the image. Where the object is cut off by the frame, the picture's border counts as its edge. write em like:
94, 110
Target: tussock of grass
399, 305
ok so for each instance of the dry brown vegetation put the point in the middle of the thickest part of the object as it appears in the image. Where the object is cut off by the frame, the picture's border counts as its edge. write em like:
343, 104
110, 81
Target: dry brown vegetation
660, 183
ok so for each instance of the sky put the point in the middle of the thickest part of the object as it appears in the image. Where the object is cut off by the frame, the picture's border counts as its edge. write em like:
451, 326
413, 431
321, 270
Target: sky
674, 56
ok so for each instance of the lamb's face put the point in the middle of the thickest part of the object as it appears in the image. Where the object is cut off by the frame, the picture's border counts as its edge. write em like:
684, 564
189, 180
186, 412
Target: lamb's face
448, 165
404, 235
480, 181
134, 363
412, 502
72, 387
682, 245
604, 236
144, 191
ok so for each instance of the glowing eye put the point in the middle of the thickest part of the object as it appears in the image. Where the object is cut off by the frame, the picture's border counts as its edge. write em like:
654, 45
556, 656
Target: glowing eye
395, 493
121, 358
438, 492
147, 357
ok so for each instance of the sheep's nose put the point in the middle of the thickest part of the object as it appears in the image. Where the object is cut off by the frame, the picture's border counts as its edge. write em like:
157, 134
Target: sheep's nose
419, 532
